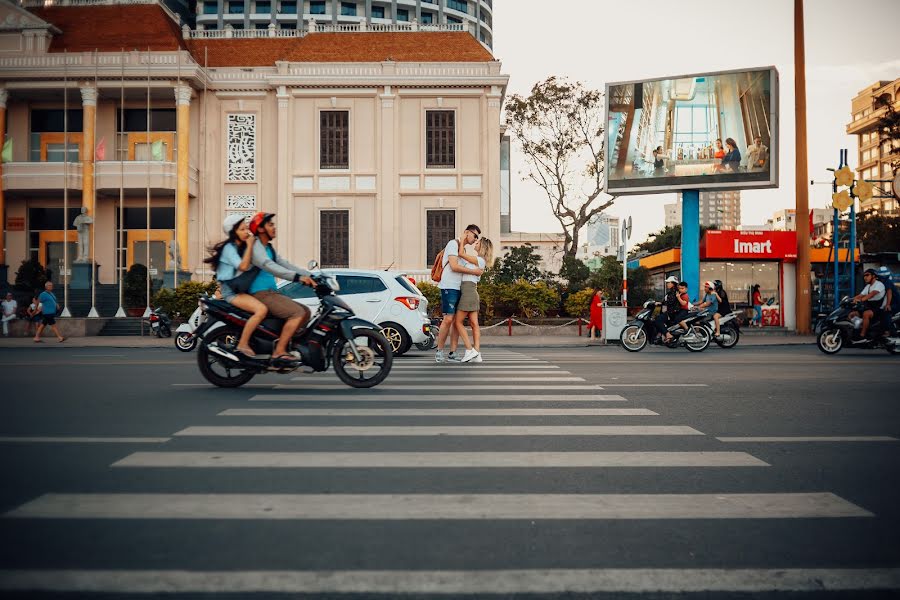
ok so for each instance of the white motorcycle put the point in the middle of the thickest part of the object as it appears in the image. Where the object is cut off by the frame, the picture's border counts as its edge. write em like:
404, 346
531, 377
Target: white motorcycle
185, 338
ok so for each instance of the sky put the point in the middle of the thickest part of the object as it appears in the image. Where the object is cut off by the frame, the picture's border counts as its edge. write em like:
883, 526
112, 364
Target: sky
849, 45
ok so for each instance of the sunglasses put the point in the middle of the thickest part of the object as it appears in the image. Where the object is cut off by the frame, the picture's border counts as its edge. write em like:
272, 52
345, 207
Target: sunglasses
473, 233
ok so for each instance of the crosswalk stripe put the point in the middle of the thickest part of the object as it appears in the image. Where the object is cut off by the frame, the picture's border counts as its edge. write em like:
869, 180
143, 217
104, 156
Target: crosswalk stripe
337, 385
438, 506
481, 582
832, 438
396, 460
376, 397
430, 430
436, 412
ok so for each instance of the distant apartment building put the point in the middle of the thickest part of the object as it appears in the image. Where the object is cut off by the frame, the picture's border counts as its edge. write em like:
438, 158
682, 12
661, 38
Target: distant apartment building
717, 209
786, 220
601, 238
474, 16
549, 246
874, 160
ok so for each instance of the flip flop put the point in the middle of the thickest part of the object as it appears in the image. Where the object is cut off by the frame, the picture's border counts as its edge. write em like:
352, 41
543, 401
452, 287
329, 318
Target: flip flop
38, 341
61, 340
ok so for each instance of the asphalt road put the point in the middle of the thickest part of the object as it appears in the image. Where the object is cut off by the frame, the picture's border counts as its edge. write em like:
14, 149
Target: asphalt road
587, 472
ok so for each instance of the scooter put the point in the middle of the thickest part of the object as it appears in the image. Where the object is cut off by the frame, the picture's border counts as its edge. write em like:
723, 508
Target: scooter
160, 324
838, 329
431, 342
729, 328
185, 338
642, 331
334, 336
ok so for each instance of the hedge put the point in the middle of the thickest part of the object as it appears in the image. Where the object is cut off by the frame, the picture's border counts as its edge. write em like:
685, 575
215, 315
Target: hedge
182, 301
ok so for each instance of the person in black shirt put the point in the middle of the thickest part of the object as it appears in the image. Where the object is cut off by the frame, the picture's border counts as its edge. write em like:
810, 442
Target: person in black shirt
670, 308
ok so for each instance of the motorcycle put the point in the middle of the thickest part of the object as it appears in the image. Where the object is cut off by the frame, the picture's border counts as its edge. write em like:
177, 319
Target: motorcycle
431, 342
160, 324
729, 328
334, 336
185, 335
838, 329
642, 331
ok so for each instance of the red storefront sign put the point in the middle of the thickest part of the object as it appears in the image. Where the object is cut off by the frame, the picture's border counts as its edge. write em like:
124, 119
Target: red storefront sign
749, 245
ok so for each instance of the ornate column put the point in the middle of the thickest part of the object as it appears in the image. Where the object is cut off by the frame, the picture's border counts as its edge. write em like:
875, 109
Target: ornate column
4, 96
182, 115
491, 197
283, 187
89, 108
387, 228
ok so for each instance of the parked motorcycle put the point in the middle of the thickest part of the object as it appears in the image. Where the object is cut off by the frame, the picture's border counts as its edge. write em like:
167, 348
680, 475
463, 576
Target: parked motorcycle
185, 335
160, 323
837, 329
431, 342
642, 331
729, 328
334, 336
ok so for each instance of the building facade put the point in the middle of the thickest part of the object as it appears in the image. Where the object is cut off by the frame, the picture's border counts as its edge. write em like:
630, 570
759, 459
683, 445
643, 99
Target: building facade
601, 237
721, 209
474, 16
875, 158
368, 163
549, 246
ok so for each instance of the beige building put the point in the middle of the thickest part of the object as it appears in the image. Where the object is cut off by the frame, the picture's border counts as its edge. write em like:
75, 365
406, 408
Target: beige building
374, 148
549, 246
874, 160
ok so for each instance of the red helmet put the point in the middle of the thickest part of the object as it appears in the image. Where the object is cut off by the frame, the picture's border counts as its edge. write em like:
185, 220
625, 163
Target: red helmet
258, 220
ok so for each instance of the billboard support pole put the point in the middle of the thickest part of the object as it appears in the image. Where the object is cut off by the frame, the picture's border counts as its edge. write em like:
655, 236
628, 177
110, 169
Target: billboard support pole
690, 241
803, 305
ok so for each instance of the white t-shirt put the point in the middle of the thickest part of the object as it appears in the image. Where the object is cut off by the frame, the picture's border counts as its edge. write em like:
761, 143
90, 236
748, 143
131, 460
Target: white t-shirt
450, 279
880, 293
468, 265
9, 308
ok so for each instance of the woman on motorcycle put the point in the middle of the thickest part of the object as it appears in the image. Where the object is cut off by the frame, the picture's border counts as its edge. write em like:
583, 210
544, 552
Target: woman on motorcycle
724, 305
670, 306
226, 258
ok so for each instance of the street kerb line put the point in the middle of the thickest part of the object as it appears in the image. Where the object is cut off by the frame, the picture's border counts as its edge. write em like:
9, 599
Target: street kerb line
435, 460
407, 507
375, 397
811, 439
81, 440
606, 384
480, 582
436, 412
434, 430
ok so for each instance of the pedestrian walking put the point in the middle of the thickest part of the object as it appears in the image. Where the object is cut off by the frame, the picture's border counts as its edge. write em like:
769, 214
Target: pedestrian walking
757, 302
595, 328
450, 283
48, 313
33, 313
469, 300
9, 311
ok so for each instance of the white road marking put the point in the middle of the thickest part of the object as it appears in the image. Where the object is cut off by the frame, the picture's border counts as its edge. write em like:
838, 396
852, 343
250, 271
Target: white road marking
436, 412
833, 438
415, 460
82, 440
430, 430
471, 367
471, 378
438, 506
666, 385
376, 397
414, 386
478, 583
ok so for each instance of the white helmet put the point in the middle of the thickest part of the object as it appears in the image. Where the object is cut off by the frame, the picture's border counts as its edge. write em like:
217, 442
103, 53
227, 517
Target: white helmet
671, 279
230, 222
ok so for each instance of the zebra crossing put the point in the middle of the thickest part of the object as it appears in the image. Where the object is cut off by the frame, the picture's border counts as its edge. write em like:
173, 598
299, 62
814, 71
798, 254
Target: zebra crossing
418, 420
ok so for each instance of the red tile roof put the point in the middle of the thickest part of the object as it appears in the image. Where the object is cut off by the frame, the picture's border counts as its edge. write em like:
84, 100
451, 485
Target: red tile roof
111, 28
260, 52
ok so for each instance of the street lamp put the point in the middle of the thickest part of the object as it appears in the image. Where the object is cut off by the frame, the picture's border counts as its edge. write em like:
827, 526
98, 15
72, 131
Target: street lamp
626, 234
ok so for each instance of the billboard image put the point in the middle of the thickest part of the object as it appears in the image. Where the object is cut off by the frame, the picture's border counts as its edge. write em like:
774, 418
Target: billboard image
715, 130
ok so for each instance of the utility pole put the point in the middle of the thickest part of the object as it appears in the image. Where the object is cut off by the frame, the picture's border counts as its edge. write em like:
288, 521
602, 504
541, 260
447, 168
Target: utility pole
803, 308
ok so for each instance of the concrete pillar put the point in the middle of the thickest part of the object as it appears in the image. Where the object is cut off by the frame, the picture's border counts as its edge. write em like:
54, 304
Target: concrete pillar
283, 187
89, 110
182, 116
388, 250
4, 96
491, 183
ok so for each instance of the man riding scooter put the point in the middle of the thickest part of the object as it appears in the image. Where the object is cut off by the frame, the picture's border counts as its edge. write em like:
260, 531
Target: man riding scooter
671, 310
264, 287
872, 297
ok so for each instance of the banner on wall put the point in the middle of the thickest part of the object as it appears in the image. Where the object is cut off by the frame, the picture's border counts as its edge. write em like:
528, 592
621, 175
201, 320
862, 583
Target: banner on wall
749, 245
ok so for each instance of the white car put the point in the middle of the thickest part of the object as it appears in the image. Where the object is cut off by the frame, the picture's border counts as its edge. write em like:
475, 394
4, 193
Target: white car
386, 298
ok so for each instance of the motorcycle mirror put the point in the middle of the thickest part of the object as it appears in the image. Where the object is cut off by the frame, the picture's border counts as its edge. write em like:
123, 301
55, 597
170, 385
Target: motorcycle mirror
312, 265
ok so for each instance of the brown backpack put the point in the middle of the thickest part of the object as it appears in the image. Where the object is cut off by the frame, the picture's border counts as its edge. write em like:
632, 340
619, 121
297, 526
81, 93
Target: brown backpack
437, 269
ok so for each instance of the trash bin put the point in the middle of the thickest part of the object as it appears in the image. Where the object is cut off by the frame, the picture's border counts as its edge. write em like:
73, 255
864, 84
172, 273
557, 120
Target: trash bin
614, 320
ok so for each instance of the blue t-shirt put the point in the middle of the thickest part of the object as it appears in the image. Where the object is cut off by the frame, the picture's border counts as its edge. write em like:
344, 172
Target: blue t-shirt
713, 303
264, 280
48, 302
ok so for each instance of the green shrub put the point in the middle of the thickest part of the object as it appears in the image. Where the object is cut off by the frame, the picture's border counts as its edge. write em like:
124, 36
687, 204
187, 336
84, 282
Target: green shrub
579, 303
182, 301
433, 294
531, 299
136, 286
31, 276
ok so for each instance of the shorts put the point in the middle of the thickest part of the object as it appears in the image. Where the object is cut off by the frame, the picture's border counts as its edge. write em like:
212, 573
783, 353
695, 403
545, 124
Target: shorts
48, 320
469, 301
449, 301
280, 306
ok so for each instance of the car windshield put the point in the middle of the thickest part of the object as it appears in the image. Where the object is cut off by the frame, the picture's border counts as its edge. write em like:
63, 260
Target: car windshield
408, 286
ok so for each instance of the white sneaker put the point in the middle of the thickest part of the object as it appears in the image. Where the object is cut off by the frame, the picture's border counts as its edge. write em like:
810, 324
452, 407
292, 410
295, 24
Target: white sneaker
470, 355
439, 356
477, 358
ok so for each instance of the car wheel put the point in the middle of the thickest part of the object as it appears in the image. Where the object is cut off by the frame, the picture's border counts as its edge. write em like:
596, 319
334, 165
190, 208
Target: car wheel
397, 337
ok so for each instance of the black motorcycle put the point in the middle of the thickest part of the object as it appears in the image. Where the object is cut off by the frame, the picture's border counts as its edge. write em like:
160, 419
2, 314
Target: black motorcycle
838, 329
160, 324
642, 331
360, 354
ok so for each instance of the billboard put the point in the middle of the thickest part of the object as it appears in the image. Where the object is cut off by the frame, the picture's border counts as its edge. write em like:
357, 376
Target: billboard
706, 131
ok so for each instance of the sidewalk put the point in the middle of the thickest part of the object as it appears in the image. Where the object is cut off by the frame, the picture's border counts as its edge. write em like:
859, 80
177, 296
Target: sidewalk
494, 341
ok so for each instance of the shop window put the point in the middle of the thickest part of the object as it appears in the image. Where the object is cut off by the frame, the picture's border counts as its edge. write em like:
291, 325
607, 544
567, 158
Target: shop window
334, 139
440, 139
440, 229
334, 238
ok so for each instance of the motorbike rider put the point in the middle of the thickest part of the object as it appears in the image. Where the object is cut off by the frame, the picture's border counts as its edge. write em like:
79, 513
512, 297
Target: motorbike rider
872, 296
264, 287
724, 305
891, 301
670, 307
684, 306
711, 303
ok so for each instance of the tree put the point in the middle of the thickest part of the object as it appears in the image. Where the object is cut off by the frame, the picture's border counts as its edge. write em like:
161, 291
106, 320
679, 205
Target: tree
522, 262
889, 129
665, 238
31, 276
561, 128
878, 233
575, 273
609, 279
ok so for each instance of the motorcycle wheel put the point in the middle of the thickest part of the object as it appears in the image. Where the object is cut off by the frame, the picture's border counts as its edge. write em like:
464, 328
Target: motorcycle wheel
217, 370
700, 341
165, 331
376, 354
185, 341
633, 338
830, 341
730, 337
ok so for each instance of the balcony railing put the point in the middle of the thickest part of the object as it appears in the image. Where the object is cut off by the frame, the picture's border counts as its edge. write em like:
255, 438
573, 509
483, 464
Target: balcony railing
320, 28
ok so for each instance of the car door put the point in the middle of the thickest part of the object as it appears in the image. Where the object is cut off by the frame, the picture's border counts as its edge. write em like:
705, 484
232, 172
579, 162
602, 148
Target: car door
366, 294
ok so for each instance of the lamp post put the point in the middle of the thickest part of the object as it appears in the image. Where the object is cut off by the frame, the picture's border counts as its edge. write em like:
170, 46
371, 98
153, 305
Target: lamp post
626, 234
